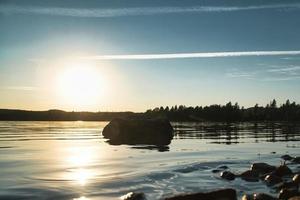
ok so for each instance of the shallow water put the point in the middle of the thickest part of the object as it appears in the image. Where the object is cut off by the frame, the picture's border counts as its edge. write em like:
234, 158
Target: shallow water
71, 160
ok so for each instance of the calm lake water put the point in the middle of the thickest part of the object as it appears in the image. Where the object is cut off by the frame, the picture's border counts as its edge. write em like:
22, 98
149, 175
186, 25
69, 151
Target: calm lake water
71, 160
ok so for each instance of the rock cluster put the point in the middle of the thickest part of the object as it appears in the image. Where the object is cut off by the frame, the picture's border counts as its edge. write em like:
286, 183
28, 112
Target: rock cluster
280, 178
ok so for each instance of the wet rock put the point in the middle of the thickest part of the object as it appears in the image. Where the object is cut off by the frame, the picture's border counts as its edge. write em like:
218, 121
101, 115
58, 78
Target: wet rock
139, 131
272, 180
227, 175
296, 179
134, 196
262, 168
287, 193
258, 196
250, 175
287, 157
282, 170
222, 194
296, 160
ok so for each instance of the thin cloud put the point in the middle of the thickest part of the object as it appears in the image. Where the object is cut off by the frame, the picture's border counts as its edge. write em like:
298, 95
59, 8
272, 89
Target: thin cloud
240, 74
290, 69
288, 78
19, 88
190, 55
136, 11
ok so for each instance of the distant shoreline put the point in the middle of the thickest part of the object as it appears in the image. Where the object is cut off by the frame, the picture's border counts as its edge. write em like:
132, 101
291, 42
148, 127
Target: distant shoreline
288, 111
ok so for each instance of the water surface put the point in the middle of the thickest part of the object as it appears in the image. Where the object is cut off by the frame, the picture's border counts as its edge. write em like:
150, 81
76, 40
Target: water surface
71, 160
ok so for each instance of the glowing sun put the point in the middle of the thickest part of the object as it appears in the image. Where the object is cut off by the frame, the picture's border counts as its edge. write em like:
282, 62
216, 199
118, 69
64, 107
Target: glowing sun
80, 85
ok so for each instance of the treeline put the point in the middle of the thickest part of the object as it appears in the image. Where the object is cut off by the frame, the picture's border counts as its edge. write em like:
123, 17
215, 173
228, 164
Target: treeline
59, 115
288, 111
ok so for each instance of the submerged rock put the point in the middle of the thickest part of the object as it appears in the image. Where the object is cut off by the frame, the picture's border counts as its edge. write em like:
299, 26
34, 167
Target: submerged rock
287, 157
262, 168
223, 167
222, 194
250, 175
140, 131
227, 175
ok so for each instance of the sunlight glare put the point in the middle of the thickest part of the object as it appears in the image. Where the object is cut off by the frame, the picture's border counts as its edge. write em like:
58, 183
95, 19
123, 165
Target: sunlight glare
81, 176
80, 85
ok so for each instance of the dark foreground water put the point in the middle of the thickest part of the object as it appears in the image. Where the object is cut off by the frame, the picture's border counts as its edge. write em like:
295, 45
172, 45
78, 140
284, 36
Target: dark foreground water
71, 160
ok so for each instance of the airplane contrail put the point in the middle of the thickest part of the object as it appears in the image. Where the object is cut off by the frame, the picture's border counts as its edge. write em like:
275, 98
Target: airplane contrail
132, 11
189, 55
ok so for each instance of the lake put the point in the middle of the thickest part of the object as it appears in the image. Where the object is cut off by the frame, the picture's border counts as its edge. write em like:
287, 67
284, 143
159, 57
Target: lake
72, 160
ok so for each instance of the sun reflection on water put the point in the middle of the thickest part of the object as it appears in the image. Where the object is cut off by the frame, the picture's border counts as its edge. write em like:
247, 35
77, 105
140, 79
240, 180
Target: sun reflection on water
78, 161
81, 175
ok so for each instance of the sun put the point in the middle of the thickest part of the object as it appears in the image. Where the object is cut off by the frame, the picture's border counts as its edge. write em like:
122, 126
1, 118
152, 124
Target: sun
80, 85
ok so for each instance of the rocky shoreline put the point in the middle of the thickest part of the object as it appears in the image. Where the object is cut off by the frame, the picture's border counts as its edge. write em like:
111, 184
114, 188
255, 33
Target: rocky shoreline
281, 179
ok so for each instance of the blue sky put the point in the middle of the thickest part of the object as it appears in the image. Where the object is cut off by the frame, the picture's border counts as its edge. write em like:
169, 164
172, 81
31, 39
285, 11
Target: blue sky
37, 36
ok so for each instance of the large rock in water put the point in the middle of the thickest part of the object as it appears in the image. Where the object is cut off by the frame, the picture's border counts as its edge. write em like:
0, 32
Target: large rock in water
139, 131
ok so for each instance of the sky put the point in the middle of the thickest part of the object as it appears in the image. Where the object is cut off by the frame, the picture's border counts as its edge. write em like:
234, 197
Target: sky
135, 55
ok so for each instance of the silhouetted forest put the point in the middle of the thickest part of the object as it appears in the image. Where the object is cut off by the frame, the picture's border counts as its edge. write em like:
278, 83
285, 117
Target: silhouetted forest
59, 115
288, 111
230, 112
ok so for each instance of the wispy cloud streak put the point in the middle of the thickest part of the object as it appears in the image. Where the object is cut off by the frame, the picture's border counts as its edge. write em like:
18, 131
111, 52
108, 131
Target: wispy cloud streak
136, 11
190, 55
19, 88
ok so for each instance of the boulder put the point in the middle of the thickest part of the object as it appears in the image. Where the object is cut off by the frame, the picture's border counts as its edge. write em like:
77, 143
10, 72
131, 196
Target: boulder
138, 131
262, 168
222, 194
